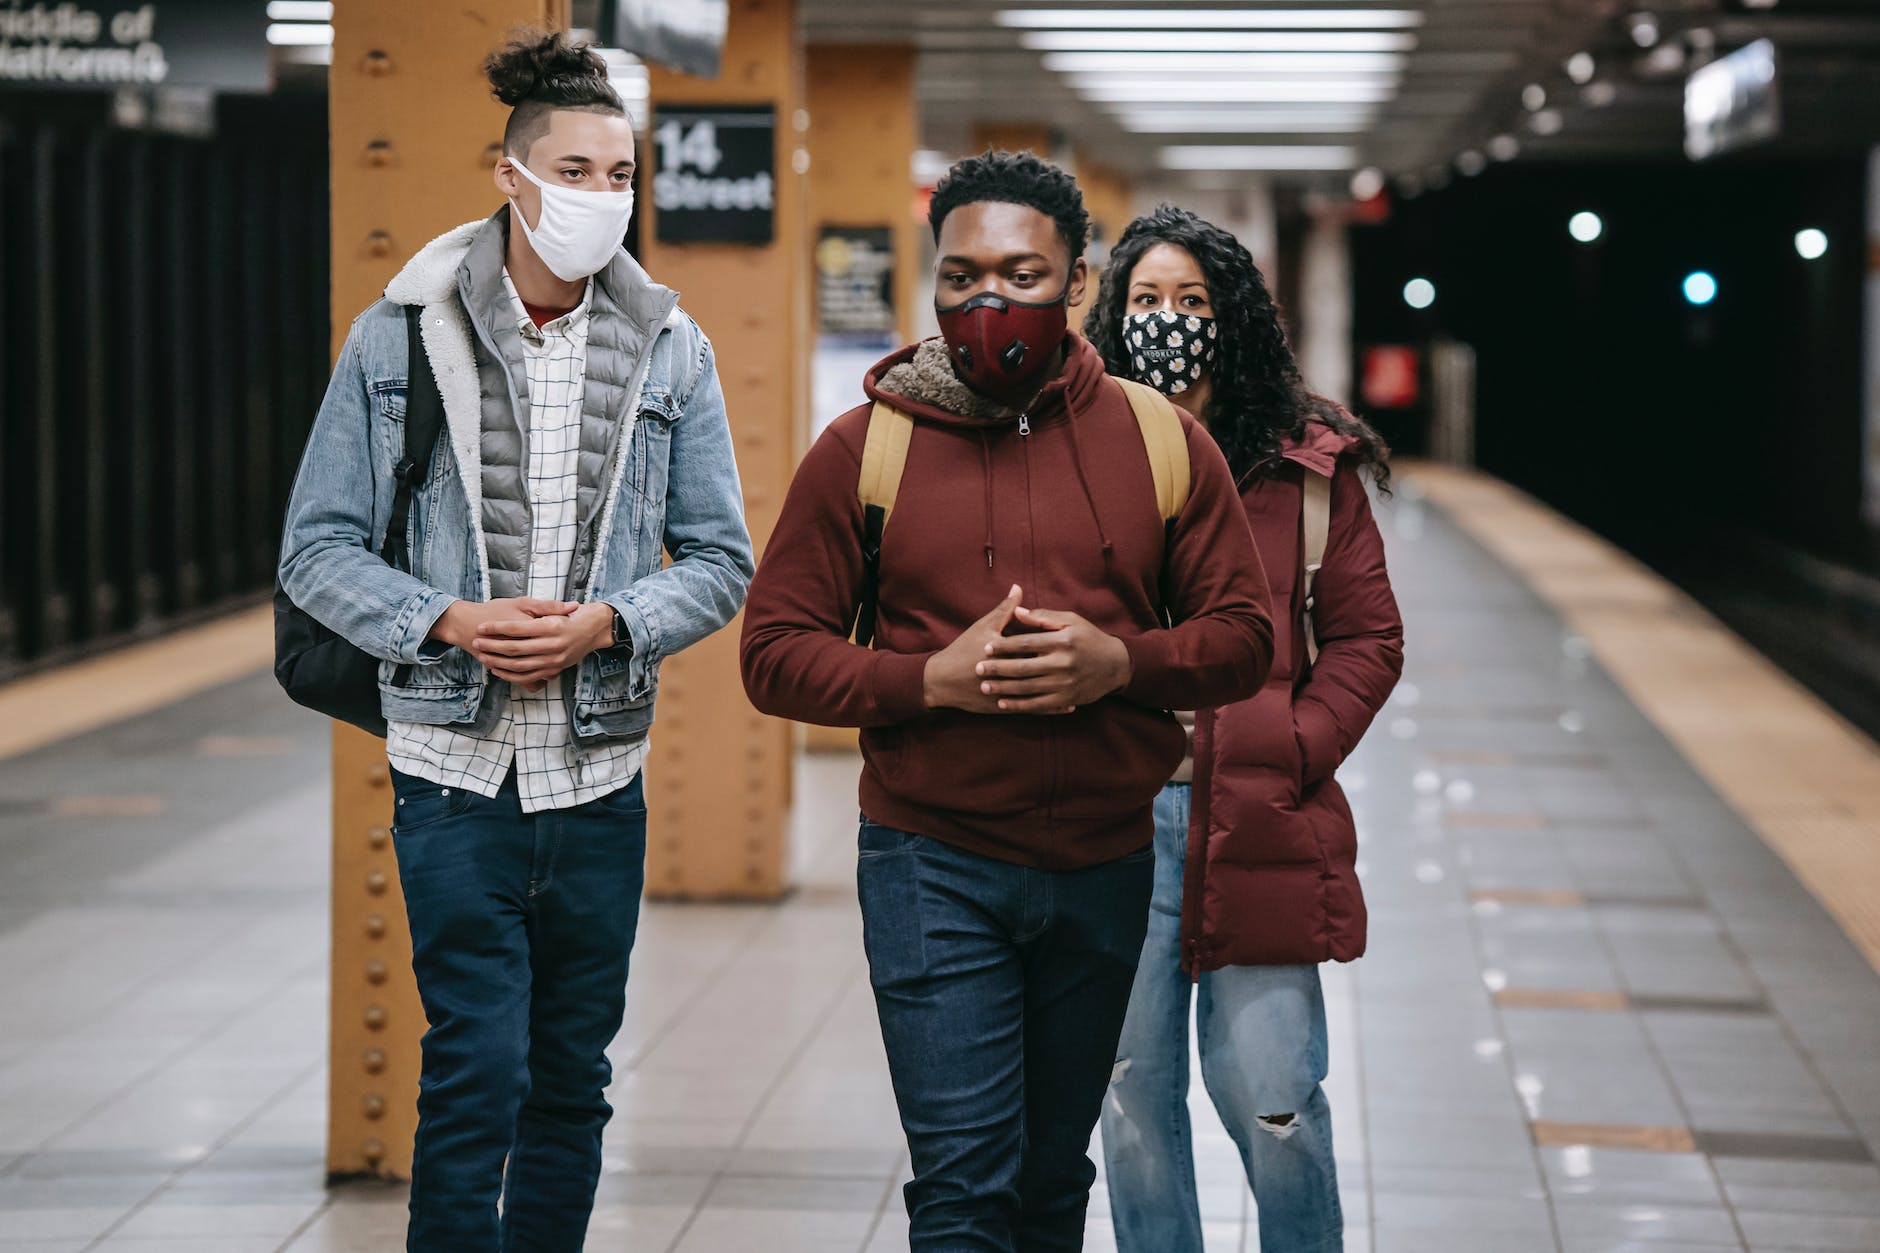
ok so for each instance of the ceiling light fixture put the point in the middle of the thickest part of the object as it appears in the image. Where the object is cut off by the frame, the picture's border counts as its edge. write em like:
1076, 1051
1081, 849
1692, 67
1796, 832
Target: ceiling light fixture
1194, 21
1224, 62
1217, 41
1154, 121
1258, 157
1580, 68
1504, 148
1534, 97
1189, 92
308, 35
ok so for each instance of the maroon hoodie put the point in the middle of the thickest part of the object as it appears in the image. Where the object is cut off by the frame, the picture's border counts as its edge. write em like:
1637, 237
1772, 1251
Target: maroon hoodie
1067, 512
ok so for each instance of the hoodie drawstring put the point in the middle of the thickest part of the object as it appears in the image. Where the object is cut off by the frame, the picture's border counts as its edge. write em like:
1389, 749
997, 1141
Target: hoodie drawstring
985, 457
1077, 460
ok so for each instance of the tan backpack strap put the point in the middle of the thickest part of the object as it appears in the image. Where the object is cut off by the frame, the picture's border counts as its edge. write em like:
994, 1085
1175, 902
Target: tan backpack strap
884, 457
1316, 523
1166, 444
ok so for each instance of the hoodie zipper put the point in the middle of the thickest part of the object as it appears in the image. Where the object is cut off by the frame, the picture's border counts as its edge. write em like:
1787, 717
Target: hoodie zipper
1050, 737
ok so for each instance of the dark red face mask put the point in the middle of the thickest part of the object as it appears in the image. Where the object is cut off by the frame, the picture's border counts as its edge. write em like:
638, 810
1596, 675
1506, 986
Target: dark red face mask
1003, 347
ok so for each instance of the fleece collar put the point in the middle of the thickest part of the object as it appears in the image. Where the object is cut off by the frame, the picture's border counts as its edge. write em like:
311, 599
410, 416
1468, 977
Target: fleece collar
919, 381
927, 378
432, 279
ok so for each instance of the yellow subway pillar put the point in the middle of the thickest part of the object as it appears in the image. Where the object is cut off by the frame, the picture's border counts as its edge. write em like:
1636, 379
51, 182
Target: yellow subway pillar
718, 779
414, 134
1107, 195
863, 129
1033, 137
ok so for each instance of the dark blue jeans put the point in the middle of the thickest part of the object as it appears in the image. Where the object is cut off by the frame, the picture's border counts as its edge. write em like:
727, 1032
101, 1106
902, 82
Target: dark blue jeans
521, 925
1001, 992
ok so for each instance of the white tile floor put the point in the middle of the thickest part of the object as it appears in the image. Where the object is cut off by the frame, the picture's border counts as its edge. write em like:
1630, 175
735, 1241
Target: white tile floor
164, 1083
162, 997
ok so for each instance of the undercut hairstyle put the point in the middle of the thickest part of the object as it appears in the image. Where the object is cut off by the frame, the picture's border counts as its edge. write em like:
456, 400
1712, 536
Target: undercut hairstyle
538, 72
1014, 178
1259, 399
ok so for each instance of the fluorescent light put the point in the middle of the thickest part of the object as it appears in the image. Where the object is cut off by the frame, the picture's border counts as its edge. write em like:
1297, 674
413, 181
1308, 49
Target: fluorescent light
1217, 41
300, 10
1699, 287
1201, 79
1224, 62
1811, 243
1585, 226
1194, 21
304, 36
1258, 157
1186, 92
1419, 293
1186, 123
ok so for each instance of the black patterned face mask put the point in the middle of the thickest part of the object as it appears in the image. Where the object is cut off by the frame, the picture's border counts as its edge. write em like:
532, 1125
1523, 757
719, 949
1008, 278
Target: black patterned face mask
1171, 351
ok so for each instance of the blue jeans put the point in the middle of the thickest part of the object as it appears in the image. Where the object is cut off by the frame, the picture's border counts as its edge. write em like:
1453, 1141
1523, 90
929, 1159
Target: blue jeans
1263, 1056
521, 925
1001, 990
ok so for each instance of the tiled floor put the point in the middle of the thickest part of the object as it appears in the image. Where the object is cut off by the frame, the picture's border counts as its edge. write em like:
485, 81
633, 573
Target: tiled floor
1597, 1013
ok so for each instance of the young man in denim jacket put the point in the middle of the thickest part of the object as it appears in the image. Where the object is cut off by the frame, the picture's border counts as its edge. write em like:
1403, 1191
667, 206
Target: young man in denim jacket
585, 433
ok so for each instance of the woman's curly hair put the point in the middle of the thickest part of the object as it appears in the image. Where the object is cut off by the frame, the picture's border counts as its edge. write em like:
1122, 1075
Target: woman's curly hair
1259, 401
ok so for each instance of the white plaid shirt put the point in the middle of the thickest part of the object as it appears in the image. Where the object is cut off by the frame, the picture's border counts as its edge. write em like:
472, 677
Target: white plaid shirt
533, 733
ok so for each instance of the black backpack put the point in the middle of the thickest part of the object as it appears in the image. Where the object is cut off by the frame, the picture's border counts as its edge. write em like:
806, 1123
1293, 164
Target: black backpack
316, 667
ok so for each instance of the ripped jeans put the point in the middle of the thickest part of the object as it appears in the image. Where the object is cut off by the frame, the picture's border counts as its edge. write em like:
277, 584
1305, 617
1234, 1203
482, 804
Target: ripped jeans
1261, 1031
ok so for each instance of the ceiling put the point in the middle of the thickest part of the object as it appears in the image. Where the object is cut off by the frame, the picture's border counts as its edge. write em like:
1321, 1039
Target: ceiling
1311, 90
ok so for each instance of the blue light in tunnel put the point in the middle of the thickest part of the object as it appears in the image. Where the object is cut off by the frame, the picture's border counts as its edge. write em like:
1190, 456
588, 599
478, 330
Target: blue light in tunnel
1700, 288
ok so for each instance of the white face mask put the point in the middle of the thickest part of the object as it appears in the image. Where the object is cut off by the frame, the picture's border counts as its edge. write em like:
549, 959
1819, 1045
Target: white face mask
577, 232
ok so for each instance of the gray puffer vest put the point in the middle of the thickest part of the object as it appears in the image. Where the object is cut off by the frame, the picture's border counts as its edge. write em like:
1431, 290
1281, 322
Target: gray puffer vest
617, 347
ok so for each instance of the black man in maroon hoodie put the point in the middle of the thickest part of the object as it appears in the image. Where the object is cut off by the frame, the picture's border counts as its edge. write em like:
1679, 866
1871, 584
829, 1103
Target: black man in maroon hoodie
1037, 619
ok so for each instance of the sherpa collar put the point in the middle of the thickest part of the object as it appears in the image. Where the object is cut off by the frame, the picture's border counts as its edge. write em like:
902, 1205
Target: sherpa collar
927, 378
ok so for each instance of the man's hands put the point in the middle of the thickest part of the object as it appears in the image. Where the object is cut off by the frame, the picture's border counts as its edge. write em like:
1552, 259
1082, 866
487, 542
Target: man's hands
524, 640
1066, 663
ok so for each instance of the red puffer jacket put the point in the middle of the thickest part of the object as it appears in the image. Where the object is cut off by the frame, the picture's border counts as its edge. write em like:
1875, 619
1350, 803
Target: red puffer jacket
1272, 849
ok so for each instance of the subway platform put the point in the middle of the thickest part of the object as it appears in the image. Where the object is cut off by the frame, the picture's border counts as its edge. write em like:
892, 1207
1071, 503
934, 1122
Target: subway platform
1620, 994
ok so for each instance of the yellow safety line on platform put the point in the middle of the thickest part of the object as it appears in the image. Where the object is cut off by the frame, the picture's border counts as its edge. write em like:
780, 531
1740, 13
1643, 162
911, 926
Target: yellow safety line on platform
1804, 779
44, 708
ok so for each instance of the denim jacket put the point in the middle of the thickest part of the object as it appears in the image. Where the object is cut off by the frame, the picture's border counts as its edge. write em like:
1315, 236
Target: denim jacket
673, 488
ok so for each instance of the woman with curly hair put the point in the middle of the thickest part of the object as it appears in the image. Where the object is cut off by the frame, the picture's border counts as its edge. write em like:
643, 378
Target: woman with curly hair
1255, 845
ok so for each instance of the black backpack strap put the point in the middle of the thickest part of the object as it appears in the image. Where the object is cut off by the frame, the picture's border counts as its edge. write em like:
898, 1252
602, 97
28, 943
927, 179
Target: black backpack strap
424, 418
874, 518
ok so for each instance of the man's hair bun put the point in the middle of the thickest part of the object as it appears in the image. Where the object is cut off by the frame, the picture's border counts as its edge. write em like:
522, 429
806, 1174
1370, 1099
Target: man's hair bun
542, 67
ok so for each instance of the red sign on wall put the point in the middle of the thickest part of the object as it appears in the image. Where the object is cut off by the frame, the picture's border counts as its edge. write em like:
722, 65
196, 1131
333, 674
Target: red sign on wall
1391, 377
